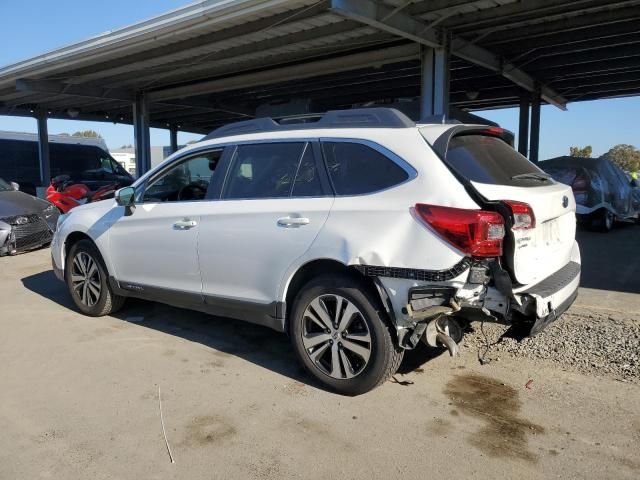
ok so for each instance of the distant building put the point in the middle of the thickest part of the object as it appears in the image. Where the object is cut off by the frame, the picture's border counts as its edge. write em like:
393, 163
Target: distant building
127, 160
127, 157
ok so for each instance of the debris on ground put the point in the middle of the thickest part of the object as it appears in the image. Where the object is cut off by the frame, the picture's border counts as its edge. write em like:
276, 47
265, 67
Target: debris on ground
592, 343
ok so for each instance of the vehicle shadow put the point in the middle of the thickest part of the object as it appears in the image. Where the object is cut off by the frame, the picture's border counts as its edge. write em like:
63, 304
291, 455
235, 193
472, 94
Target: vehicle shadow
254, 343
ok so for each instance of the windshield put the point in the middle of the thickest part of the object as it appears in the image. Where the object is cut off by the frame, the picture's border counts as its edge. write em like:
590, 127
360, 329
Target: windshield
487, 159
4, 186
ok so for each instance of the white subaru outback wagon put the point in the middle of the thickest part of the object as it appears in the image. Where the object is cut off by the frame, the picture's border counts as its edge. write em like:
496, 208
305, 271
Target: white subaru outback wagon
359, 235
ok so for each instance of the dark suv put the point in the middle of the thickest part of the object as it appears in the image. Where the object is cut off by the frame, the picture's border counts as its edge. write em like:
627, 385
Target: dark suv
84, 163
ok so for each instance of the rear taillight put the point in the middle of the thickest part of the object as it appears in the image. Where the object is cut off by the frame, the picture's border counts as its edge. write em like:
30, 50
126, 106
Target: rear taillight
475, 232
522, 215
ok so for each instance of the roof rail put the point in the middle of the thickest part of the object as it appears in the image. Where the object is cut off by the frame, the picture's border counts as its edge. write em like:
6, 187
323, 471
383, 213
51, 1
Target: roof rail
354, 118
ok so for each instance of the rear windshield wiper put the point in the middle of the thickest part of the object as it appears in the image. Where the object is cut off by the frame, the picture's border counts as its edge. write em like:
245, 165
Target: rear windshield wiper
543, 177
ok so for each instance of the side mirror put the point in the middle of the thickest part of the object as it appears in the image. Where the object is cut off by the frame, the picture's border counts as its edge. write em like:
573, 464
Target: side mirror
15, 186
125, 197
633, 183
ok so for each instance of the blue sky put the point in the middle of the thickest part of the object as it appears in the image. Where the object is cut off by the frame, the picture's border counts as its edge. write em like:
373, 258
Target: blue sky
52, 24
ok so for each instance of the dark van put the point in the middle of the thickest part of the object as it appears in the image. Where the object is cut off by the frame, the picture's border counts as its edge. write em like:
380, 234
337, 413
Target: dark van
85, 160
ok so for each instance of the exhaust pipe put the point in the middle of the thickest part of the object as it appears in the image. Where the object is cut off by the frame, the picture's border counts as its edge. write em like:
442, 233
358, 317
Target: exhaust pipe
448, 342
444, 330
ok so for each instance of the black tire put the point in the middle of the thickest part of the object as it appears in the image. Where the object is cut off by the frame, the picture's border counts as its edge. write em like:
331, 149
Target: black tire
385, 355
106, 302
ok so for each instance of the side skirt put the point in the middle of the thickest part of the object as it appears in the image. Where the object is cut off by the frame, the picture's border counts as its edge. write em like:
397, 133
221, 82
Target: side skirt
270, 315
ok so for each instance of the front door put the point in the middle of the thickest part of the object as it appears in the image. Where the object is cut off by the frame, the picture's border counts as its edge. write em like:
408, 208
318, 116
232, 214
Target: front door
155, 248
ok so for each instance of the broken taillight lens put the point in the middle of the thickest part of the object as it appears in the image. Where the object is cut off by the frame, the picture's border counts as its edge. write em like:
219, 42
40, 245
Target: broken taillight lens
522, 214
478, 233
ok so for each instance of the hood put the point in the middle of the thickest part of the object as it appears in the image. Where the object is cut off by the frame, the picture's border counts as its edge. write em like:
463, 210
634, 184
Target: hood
19, 203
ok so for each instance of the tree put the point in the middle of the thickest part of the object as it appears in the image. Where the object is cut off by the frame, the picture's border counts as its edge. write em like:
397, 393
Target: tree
627, 157
127, 146
87, 134
581, 152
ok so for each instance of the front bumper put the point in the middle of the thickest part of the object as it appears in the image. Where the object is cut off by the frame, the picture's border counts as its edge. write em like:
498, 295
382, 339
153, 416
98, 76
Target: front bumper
22, 233
59, 272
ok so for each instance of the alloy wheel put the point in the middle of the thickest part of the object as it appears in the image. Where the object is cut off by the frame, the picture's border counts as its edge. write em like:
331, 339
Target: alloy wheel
336, 336
85, 279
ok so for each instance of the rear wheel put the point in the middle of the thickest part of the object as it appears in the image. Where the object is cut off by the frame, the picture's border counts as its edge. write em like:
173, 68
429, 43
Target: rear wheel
340, 334
88, 281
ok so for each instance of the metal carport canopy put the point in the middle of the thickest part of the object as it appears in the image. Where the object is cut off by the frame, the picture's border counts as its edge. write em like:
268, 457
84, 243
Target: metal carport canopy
213, 62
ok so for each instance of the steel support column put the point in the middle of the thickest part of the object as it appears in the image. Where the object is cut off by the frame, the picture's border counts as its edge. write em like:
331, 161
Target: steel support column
43, 148
534, 148
523, 127
141, 132
173, 138
435, 81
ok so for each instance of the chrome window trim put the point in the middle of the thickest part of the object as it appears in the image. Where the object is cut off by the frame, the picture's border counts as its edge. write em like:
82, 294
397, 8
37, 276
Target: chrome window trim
394, 157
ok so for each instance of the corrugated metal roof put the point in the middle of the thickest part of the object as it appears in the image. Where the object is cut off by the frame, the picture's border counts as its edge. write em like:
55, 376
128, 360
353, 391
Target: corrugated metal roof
584, 49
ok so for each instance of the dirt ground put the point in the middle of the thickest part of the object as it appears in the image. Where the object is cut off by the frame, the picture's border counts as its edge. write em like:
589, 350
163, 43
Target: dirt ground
79, 399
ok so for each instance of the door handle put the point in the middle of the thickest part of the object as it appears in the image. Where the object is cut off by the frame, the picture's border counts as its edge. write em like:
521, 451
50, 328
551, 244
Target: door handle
185, 224
293, 222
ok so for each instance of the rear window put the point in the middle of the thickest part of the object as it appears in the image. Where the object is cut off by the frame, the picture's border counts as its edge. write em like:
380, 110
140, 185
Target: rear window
486, 159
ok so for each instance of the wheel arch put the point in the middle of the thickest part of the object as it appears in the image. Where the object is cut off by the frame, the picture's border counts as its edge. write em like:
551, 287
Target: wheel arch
325, 266
73, 238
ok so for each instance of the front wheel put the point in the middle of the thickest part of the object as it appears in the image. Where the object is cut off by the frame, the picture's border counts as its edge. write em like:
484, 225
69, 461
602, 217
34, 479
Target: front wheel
88, 283
340, 334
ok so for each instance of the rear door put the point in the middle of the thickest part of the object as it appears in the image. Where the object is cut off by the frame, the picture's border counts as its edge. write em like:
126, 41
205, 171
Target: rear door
274, 202
496, 171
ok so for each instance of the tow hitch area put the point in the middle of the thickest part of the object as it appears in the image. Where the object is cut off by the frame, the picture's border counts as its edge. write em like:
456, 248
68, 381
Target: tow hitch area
431, 309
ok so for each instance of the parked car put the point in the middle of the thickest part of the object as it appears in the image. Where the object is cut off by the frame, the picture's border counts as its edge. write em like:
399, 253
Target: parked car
26, 222
603, 192
85, 160
359, 235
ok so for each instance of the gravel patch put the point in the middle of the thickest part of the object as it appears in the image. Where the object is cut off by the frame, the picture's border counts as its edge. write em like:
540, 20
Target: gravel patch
591, 343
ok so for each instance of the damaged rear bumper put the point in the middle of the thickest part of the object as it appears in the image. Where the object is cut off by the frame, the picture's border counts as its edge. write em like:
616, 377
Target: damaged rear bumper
483, 287
544, 302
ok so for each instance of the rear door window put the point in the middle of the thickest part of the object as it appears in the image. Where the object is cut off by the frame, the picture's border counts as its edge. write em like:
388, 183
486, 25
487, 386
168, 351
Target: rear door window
263, 170
357, 169
490, 160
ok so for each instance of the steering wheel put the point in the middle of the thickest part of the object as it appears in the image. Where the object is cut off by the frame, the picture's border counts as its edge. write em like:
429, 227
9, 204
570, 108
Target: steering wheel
193, 191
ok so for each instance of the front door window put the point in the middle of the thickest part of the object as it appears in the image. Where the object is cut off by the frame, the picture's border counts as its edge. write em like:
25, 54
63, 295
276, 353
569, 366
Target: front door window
187, 181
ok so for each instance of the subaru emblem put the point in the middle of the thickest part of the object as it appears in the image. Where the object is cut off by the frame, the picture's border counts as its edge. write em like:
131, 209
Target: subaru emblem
565, 201
22, 221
